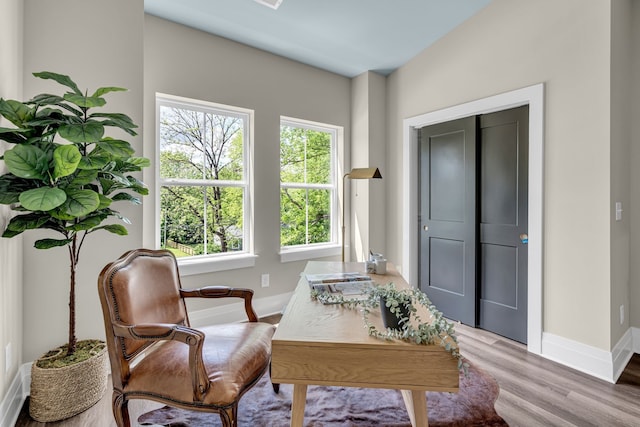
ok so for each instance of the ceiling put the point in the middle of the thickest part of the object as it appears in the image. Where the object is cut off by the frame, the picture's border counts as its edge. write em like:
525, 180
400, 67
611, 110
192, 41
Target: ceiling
347, 37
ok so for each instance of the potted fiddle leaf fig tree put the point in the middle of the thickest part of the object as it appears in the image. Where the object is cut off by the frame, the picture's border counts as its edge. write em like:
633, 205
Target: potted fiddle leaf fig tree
65, 175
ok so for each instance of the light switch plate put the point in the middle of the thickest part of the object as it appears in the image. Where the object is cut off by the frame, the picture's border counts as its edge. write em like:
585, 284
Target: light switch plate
618, 211
7, 358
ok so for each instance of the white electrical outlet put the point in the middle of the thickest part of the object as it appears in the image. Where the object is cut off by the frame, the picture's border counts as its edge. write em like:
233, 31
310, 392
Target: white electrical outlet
265, 280
7, 358
622, 314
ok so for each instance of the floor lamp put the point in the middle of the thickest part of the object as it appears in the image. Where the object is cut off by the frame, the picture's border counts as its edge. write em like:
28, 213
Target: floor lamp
357, 173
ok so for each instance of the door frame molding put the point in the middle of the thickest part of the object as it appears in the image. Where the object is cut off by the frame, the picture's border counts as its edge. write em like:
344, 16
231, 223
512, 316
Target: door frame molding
532, 96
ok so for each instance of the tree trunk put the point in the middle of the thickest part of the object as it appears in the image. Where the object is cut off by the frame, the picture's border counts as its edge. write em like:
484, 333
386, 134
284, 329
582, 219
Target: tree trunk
71, 343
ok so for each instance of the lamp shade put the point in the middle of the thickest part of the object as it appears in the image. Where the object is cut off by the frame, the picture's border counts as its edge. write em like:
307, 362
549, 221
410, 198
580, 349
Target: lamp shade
364, 173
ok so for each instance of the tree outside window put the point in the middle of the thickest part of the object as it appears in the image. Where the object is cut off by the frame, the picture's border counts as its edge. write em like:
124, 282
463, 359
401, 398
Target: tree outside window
307, 184
203, 179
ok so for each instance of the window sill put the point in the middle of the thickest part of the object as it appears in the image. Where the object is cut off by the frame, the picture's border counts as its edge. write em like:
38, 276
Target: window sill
306, 253
211, 264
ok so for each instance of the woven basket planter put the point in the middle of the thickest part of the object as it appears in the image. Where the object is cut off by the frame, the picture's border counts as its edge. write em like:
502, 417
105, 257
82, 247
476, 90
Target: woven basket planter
60, 393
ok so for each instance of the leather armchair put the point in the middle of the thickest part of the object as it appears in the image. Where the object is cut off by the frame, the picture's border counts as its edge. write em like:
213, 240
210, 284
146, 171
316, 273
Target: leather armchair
154, 352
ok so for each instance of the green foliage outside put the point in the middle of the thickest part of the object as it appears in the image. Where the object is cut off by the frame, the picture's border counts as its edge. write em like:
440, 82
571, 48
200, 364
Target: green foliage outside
199, 152
305, 161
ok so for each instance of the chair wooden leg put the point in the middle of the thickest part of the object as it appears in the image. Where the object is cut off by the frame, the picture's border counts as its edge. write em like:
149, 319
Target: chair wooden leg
120, 407
276, 386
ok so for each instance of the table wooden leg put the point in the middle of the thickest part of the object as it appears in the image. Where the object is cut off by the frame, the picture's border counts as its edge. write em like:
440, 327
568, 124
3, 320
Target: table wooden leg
297, 406
416, 403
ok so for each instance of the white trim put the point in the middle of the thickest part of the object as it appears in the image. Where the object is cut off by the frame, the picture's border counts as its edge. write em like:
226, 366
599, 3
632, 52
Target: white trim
211, 263
599, 363
15, 396
635, 339
300, 253
337, 144
534, 97
247, 183
621, 354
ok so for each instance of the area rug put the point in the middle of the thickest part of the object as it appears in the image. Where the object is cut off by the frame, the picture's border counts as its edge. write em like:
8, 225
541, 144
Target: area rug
326, 406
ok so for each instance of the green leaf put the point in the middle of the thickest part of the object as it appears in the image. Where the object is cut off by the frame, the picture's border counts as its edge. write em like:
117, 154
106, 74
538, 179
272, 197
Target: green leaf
51, 243
88, 223
84, 177
66, 159
116, 147
118, 229
140, 162
42, 199
103, 90
10, 188
104, 201
93, 162
13, 136
45, 99
60, 78
122, 121
61, 214
118, 178
138, 186
84, 101
81, 202
26, 161
82, 132
9, 233
15, 111
107, 185
27, 222
128, 197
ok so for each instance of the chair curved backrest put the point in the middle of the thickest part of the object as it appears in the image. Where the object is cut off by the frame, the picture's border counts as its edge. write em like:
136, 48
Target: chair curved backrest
131, 300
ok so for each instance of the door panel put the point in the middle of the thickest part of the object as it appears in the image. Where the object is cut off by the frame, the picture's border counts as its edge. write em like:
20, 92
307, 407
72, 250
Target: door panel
448, 217
502, 289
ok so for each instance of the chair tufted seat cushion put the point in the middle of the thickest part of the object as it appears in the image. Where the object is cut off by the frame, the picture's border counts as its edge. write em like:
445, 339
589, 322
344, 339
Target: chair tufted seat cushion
235, 356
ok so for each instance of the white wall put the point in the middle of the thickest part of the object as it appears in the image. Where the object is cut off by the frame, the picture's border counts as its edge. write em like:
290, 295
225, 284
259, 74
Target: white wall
186, 62
513, 44
621, 80
367, 197
97, 43
11, 12
634, 90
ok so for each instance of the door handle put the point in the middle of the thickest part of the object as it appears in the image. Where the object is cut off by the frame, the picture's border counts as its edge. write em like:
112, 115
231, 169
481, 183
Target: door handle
425, 228
524, 238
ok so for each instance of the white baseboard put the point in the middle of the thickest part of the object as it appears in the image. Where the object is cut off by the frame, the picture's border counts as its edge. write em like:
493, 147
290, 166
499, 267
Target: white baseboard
16, 395
19, 389
591, 360
635, 336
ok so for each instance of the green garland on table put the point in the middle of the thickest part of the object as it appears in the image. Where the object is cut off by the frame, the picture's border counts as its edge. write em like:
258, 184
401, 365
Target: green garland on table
437, 330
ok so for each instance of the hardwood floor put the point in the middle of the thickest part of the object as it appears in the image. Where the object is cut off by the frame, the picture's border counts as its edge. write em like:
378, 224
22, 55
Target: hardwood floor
533, 391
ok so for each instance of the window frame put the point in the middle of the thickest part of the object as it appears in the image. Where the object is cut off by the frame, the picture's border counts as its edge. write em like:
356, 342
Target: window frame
218, 261
332, 248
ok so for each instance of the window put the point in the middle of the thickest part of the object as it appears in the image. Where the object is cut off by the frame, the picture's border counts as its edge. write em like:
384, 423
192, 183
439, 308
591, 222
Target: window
308, 189
203, 178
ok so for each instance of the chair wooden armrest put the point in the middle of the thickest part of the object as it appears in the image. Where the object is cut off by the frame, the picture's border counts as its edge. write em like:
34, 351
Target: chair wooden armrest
171, 332
224, 292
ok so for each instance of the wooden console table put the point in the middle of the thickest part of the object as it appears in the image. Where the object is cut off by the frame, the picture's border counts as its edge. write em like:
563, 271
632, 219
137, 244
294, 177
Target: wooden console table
318, 344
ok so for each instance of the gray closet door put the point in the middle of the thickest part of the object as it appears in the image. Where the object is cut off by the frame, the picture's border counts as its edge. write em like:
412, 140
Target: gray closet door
503, 217
448, 217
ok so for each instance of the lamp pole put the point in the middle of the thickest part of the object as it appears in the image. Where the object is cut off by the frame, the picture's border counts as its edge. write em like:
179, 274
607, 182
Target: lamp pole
357, 173
344, 203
